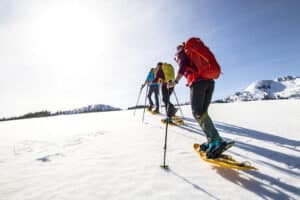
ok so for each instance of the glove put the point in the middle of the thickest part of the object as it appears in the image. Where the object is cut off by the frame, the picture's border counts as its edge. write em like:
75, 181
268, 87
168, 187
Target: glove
171, 84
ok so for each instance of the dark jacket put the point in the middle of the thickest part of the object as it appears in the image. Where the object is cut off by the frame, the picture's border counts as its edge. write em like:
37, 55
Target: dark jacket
159, 75
186, 68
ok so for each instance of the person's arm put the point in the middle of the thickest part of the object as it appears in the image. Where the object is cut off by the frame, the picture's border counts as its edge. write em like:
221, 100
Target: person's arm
176, 81
147, 80
183, 62
178, 77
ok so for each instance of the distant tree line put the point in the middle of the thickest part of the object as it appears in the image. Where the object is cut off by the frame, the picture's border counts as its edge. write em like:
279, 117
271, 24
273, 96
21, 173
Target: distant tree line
87, 109
29, 115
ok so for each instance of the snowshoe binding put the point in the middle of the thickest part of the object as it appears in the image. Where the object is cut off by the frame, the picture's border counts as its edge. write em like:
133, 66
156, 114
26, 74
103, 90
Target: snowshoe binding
216, 148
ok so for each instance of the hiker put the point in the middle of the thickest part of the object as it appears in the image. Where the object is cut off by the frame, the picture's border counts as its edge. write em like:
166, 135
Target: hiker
201, 84
153, 88
165, 74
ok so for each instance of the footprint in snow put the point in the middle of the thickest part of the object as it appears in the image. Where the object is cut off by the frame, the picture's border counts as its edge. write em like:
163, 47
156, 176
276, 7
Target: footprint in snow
83, 138
50, 157
32, 146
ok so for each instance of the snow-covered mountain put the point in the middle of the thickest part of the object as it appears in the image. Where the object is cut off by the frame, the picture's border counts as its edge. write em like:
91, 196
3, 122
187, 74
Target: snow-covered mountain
281, 88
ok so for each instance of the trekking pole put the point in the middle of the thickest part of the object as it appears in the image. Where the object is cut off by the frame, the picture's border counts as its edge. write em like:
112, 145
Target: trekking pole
138, 100
166, 133
145, 102
178, 104
161, 97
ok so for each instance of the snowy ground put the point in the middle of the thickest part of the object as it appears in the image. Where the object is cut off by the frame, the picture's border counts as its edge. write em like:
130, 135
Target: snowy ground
114, 155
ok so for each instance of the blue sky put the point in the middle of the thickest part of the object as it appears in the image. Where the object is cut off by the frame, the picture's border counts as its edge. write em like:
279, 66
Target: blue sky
252, 40
66, 54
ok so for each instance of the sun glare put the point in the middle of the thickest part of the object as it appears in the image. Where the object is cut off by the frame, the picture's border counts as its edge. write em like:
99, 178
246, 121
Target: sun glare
69, 33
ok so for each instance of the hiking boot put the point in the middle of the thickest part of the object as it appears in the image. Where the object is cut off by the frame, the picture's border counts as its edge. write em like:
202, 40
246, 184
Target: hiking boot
168, 119
215, 148
156, 111
174, 111
203, 147
149, 108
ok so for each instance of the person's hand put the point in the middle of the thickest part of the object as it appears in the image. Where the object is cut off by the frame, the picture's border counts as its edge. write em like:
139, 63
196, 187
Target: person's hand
171, 84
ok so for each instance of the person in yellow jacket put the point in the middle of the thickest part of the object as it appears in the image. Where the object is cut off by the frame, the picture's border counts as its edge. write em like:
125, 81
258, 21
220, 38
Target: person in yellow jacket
164, 75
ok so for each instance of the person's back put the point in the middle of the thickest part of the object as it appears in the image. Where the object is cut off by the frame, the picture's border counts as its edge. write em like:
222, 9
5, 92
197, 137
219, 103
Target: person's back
151, 78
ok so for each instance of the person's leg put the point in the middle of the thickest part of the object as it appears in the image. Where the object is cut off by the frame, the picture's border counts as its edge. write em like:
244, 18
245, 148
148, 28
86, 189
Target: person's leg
171, 110
208, 95
166, 93
200, 95
156, 92
197, 92
151, 90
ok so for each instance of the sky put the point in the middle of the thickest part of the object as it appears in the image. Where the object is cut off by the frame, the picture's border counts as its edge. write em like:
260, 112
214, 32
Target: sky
65, 54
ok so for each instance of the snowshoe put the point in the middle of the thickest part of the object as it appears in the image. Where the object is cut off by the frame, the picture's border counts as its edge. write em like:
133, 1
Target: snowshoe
177, 119
165, 120
224, 160
170, 122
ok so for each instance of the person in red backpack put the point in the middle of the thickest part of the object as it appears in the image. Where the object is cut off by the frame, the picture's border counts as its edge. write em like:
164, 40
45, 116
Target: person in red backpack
201, 91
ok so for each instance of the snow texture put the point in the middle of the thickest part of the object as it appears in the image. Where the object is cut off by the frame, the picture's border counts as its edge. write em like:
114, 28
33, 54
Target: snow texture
114, 155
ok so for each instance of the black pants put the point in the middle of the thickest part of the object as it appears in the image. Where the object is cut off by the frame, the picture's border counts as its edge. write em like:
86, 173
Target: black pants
200, 96
154, 89
166, 93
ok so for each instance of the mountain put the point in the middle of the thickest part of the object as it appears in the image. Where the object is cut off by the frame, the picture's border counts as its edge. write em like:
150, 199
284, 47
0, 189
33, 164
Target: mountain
113, 155
281, 88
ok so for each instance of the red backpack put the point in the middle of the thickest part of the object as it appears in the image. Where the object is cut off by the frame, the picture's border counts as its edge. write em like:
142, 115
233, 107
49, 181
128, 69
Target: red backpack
202, 58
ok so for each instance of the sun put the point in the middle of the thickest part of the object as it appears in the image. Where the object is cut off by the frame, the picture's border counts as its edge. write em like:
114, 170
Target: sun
70, 33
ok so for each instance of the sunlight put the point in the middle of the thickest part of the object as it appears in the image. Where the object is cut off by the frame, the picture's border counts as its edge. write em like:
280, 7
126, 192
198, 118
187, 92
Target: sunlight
70, 34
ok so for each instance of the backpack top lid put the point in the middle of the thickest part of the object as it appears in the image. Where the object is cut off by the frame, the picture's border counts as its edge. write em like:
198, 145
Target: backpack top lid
202, 58
193, 43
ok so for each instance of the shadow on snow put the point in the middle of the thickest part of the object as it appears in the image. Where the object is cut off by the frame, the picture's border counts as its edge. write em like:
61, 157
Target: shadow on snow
260, 188
192, 184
